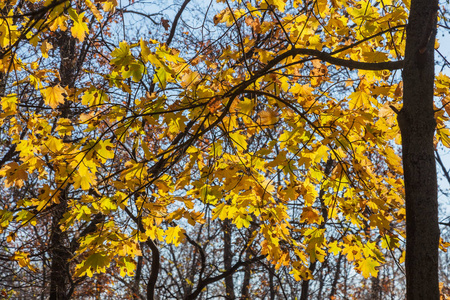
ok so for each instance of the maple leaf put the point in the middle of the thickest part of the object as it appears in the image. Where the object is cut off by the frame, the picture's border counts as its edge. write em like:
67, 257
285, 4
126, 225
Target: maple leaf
14, 173
309, 215
359, 99
165, 24
9, 104
54, 96
54, 144
127, 266
161, 77
122, 55
95, 263
368, 267
109, 5
268, 117
174, 235
84, 177
79, 27
22, 258
242, 220
45, 46
94, 10
94, 97
239, 140
26, 216
61, 22
135, 70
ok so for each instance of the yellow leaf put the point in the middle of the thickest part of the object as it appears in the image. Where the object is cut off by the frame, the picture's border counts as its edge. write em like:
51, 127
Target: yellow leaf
267, 117
53, 96
239, 140
96, 263
161, 77
135, 70
45, 46
84, 178
109, 5
359, 99
26, 216
279, 4
334, 248
174, 235
127, 266
79, 27
390, 242
220, 211
368, 267
309, 215
145, 51
59, 22
22, 258
122, 55
54, 144
375, 56
94, 97
94, 10
14, 173
242, 219
104, 150
9, 104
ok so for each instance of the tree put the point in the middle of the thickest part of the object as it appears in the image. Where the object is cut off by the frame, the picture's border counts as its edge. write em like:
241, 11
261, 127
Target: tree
417, 122
273, 126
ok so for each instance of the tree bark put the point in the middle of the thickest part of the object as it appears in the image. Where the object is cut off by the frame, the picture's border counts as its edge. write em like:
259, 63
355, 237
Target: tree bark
137, 278
245, 290
60, 248
228, 258
59, 254
337, 274
417, 124
156, 264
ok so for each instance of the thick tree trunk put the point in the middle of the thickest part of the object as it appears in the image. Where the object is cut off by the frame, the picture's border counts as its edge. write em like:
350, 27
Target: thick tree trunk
59, 255
245, 290
60, 248
417, 124
151, 284
137, 278
228, 258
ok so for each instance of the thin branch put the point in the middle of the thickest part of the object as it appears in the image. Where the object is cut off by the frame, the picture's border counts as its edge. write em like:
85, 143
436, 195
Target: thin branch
441, 164
203, 283
175, 21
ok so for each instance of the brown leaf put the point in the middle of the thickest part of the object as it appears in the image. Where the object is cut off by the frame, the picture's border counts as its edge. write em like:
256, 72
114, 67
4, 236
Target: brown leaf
165, 23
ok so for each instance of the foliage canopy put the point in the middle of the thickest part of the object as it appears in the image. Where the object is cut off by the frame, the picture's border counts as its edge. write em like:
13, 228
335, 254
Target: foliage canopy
281, 122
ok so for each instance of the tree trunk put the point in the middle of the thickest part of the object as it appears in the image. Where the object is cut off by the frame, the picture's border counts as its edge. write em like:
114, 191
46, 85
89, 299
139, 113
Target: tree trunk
228, 258
137, 278
245, 290
417, 124
337, 274
60, 248
59, 255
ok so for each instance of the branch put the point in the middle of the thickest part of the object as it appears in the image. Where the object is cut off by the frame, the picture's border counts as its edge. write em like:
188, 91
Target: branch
175, 22
444, 170
203, 283
327, 57
148, 16
202, 254
367, 38
156, 265
154, 269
